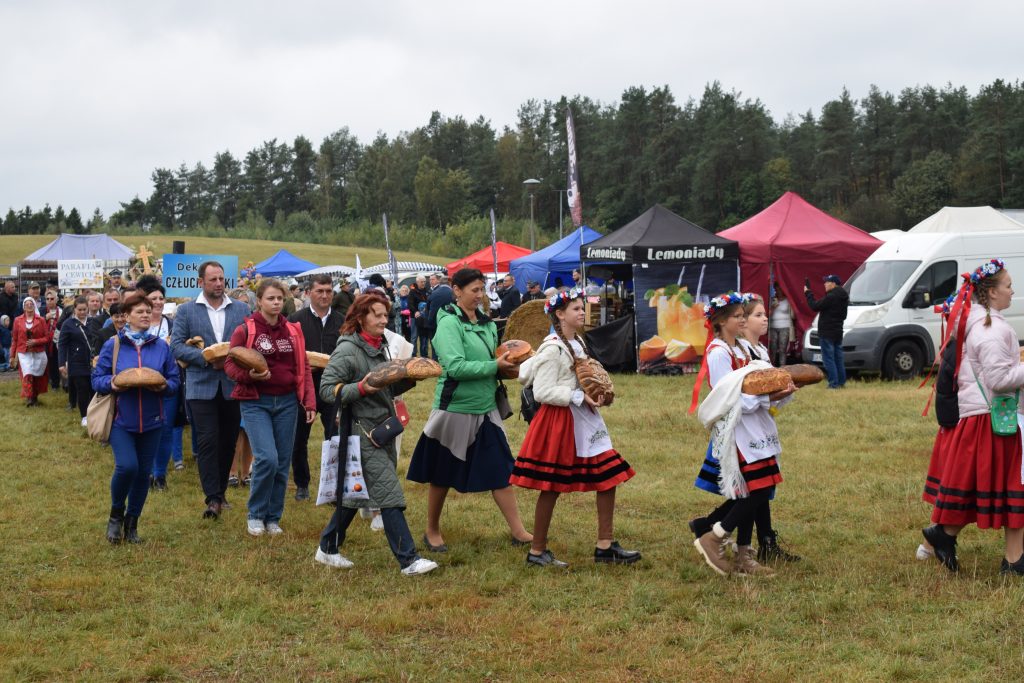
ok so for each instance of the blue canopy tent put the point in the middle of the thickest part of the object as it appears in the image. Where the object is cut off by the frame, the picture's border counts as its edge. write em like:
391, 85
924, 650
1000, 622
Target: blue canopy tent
283, 263
69, 246
557, 260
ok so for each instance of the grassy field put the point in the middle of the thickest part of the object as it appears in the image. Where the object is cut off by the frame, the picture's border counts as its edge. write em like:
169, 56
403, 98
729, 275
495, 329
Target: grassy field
13, 248
204, 601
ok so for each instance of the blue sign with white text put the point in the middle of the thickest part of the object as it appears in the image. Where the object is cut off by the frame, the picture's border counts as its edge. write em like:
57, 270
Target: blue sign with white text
181, 273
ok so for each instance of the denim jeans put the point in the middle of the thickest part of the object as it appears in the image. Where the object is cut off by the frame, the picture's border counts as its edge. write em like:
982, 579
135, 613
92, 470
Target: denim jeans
395, 528
832, 359
133, 461
163, 451
270, 424
177, 436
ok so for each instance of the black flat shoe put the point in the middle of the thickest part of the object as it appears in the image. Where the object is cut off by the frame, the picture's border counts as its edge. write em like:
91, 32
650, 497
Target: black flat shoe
545, 559
1014, 569
944, 545
443, 548
616, 554
516, 543
212, 511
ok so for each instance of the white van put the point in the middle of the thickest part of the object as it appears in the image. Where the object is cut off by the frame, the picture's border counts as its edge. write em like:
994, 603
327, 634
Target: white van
891, 326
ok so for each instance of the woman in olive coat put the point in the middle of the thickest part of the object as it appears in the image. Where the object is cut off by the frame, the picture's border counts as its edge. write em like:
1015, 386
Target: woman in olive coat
360, 349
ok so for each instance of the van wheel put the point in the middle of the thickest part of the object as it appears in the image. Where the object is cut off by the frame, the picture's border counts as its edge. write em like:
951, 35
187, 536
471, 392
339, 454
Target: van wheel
903, 360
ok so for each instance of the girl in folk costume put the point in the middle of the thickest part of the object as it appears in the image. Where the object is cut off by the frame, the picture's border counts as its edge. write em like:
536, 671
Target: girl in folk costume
768, 548
745, 442
980, 479
567, 447
29, 338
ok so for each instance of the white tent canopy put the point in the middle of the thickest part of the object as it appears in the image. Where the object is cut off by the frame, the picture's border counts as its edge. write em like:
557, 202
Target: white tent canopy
960, 219
406, 267
70, 247
886, 235
344, 271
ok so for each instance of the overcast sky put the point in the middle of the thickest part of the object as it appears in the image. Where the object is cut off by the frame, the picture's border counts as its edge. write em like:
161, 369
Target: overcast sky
95, 95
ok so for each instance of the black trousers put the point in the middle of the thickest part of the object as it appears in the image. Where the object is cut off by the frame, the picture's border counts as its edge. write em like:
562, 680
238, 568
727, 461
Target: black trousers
53, 369
215, 423
300, 452
743, 512
83, 392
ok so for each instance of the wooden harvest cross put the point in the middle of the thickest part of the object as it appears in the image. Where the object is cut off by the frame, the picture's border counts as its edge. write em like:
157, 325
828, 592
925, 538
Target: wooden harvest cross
144, 254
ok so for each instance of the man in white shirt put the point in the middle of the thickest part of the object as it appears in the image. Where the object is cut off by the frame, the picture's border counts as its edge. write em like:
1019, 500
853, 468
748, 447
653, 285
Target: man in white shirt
213, 413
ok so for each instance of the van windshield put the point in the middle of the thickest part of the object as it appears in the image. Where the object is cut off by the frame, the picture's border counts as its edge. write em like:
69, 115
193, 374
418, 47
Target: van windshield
876, 282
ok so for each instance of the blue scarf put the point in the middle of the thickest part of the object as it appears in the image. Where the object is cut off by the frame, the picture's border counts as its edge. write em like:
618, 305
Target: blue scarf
137, 338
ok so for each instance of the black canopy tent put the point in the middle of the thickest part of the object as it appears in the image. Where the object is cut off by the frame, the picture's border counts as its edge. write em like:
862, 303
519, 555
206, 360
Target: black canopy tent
676, 266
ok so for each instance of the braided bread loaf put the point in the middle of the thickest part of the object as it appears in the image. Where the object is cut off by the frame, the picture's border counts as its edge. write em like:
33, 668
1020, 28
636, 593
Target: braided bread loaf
594, 380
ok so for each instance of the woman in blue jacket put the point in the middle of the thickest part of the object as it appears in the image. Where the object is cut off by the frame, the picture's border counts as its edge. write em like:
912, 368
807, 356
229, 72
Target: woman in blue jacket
139, 417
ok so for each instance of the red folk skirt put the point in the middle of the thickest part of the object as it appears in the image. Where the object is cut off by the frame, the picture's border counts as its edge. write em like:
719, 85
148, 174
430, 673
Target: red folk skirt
547, 459
934, 477
981, 478
761, 474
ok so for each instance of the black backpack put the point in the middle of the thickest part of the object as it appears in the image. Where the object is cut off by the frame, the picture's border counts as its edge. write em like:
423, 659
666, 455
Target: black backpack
528, 405
947, 409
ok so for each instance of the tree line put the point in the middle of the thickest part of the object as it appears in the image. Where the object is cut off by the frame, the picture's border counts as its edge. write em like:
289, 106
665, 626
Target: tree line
882, 161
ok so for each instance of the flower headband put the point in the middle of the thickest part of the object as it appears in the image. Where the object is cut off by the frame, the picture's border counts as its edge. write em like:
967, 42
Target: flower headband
985, 270
556, 301
720, 302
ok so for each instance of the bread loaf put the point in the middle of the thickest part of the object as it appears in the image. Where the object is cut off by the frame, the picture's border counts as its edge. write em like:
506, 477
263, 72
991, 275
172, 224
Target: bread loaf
766, 381
422, 368
594, 380
250, 359
134, 378
317, 360
216, 352
393, 371
515, 350
804, 374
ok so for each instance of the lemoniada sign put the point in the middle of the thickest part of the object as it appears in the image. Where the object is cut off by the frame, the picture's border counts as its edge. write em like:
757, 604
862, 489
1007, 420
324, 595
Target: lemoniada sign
80, 274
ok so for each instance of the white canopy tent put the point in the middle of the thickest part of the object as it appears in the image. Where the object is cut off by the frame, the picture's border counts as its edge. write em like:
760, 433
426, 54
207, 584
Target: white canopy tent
343, 271
961, 219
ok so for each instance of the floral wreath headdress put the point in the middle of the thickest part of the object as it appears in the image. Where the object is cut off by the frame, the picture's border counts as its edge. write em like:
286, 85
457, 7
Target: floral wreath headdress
562, 299
724, 301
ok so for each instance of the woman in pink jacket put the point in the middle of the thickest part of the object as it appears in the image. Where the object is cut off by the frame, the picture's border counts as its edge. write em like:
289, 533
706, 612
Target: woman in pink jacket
981, 477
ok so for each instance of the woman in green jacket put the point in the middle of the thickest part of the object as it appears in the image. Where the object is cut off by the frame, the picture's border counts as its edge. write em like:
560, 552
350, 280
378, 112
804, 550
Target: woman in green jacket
463, 445
360, 349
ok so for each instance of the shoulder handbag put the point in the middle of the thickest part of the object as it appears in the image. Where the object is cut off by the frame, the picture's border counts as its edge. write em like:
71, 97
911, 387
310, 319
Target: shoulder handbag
1003, 410
99, 416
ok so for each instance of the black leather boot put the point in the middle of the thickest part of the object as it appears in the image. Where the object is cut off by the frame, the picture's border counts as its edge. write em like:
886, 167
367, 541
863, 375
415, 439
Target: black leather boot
769, 550
115, 526
131, 529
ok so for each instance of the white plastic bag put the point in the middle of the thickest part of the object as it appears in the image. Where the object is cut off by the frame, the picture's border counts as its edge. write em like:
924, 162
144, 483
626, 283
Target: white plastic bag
328, 489
354, 487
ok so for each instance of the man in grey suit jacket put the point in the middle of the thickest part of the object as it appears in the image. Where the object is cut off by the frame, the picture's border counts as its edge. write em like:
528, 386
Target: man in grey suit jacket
215, 415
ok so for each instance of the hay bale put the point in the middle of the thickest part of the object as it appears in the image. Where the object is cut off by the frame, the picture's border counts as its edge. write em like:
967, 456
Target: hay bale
529, 323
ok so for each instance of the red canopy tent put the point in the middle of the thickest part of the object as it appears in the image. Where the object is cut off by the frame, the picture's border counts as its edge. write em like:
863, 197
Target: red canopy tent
791, 240
484, 259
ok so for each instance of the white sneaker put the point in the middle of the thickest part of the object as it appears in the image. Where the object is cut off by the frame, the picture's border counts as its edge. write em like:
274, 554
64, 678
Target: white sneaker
274, 529
924, 553
337, 560
84, 422
255, 527
420, 566
377, 524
